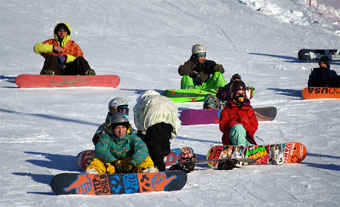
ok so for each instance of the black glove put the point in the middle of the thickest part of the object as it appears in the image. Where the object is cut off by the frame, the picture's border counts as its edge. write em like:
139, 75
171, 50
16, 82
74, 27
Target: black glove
118, 167
196, 78
185, 164
128, 168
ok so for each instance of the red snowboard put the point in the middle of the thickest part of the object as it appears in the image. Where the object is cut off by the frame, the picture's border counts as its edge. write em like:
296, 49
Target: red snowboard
60, 81
320, 92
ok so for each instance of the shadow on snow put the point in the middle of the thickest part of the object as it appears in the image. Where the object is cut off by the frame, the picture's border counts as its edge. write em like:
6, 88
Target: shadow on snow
288, 92
46, 116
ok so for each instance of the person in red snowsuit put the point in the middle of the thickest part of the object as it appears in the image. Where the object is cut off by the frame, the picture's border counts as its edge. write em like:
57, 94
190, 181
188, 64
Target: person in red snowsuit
238, 121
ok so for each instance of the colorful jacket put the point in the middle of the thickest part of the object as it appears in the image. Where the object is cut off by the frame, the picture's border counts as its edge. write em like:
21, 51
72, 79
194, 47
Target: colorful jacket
232, 115
203, 70
111, 149
71, 49
152, 108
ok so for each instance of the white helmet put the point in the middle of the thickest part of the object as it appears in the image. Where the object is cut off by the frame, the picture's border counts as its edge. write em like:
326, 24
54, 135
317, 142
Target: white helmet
118, 103
198, 48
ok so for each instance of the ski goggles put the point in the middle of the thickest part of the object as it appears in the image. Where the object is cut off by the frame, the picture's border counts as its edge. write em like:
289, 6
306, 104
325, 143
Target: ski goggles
201, 54
123, 109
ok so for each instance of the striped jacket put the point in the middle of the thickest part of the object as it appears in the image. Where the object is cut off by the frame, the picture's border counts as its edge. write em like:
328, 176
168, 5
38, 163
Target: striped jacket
111, 149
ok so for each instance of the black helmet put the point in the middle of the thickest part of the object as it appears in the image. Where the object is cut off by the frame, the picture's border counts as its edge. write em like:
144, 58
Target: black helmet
119, 119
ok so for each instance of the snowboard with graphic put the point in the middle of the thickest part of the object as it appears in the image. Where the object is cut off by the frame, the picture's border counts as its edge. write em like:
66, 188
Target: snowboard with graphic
320, 92
122, 183
204, 116
61, 81
291, 152
176, 154
316, 54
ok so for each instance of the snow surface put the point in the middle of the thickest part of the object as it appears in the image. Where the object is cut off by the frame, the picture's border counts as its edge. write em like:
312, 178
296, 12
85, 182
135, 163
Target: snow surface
144, 42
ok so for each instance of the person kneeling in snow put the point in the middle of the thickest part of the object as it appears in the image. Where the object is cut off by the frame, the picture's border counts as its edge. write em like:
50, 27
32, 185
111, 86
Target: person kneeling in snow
238, 121
156, 118
120, 151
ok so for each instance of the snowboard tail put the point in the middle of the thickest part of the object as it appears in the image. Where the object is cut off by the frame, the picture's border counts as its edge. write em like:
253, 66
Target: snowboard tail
321, 92
124, 183
316, 54
176, 154
61, 81
203, 116
291, 152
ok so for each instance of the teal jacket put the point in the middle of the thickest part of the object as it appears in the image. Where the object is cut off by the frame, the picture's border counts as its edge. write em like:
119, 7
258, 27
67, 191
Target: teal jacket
111, 149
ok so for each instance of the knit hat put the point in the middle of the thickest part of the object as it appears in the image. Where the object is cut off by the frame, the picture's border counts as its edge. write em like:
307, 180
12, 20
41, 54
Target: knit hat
324, 59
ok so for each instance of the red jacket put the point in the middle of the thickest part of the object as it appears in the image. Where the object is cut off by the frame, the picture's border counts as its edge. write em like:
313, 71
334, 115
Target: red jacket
232, 115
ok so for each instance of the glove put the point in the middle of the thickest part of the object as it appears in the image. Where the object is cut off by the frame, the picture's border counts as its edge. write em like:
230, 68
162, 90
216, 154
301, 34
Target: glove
128, 168
118, 167
196, 78
62, 60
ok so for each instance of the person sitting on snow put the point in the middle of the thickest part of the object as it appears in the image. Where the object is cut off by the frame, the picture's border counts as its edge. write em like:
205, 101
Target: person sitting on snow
62, 55
323, 76
120, 151
199, 73
115, 105
156, 118
238, 121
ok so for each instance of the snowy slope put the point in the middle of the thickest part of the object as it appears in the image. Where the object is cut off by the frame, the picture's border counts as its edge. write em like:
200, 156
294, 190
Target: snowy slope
144, 42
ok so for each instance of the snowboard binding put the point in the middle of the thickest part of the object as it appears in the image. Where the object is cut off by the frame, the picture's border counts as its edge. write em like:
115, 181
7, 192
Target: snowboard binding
185, 164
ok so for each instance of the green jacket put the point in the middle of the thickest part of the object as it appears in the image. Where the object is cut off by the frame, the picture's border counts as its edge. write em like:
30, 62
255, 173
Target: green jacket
111, 149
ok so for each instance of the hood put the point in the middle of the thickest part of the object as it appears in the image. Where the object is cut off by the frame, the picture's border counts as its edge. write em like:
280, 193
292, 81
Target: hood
67, 38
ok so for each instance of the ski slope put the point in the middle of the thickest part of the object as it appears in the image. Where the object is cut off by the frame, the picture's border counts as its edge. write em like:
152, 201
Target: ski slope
144, 42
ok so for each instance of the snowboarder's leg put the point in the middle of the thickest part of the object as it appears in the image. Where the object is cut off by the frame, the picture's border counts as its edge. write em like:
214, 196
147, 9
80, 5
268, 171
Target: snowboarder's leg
79, 67
99, 166
214, 82
237, 135
188, 83
157, 140
51, 66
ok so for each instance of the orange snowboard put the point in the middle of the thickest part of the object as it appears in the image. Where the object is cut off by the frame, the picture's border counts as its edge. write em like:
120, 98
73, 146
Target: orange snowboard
320, 92
60, 81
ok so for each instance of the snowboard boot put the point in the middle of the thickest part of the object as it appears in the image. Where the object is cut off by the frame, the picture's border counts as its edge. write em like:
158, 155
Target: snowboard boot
90, 72
185, 164
276, 155
227, 164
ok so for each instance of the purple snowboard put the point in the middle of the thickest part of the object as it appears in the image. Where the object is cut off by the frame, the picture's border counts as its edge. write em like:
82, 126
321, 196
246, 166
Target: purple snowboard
203, 116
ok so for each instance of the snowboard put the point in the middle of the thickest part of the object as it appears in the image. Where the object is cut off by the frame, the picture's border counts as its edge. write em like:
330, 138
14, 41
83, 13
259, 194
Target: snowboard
316, 54
203, 116
61, 81
84, 158
122, 183
320, 92
291, 152
187, 95
196, 95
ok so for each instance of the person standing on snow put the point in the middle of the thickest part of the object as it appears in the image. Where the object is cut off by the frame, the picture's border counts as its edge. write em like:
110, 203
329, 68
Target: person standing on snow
120, 151
199, 73
156, 118
62, 55
323, 76
115, 105
238, 121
